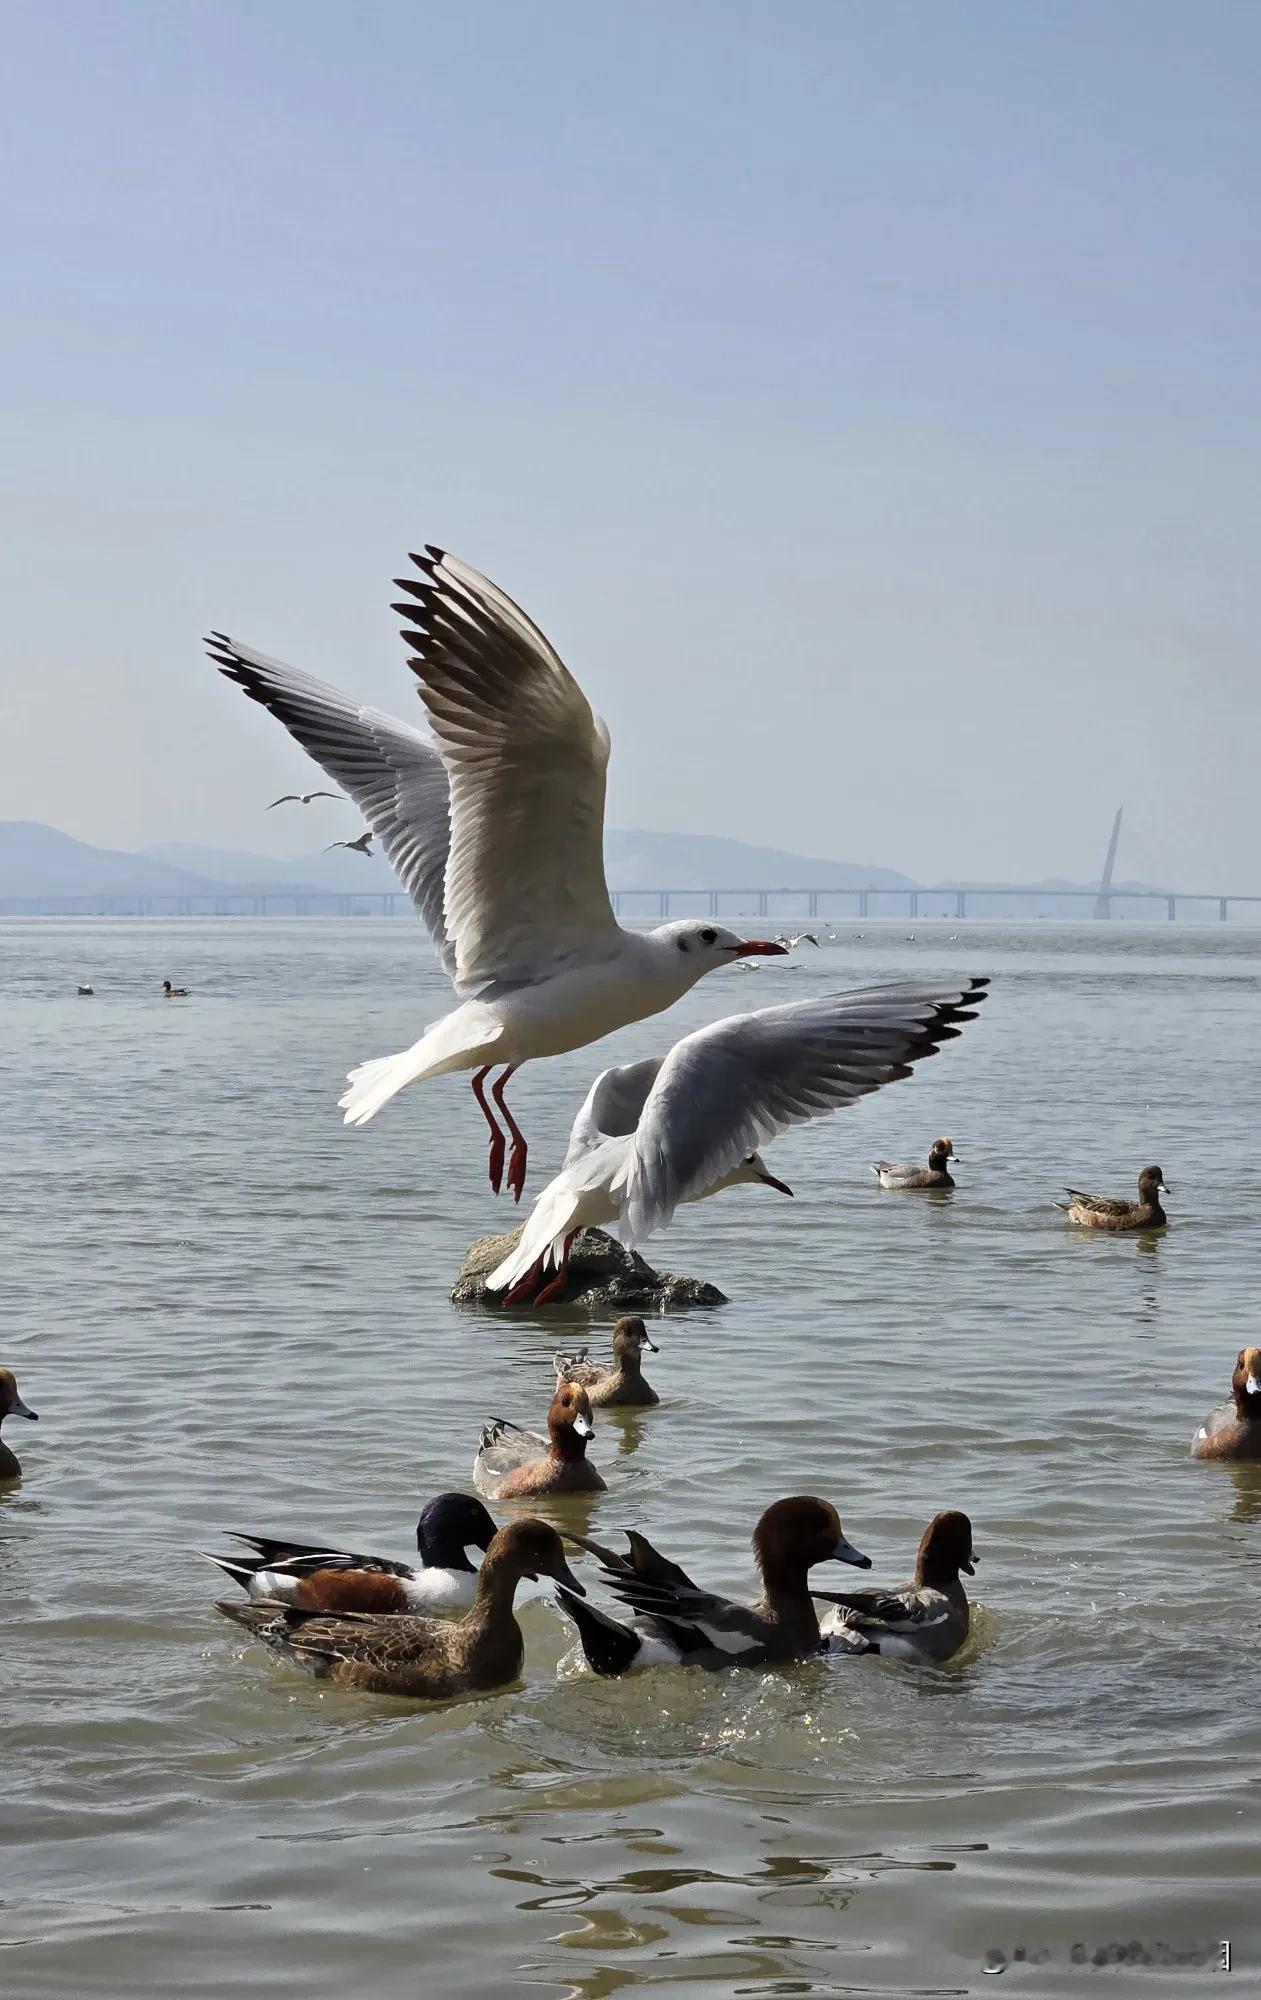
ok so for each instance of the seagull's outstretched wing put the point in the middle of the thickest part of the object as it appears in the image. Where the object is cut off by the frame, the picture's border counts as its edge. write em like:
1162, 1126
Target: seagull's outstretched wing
525, 888
393, 773
724, 1091
612, 1106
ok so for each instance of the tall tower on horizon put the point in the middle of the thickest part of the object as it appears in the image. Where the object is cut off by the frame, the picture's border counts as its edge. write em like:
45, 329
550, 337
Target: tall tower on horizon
1103, 901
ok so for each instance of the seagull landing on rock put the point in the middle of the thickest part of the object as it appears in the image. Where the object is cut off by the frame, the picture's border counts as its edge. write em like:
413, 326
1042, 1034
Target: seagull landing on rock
496, 830
361, 844
654, 1134
303, 799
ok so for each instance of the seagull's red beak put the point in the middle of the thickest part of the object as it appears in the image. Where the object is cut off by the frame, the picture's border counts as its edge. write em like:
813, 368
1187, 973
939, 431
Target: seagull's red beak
760, 948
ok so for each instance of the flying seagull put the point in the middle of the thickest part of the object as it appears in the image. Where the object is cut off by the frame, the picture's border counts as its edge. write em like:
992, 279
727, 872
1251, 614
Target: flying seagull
496, 830
361, 844
654, 1134
303, 798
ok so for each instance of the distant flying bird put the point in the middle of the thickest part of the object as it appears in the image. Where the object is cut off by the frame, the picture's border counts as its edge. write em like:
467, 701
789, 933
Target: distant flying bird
362, 844
303, 798
798, 937
497, 832
654, 1134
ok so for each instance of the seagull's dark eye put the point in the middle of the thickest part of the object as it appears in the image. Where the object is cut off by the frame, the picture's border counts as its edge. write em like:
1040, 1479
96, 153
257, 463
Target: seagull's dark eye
682, 943
707, 937
749, 1159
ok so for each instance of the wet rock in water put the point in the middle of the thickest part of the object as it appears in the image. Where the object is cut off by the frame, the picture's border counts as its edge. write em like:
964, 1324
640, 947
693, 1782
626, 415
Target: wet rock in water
602, 1272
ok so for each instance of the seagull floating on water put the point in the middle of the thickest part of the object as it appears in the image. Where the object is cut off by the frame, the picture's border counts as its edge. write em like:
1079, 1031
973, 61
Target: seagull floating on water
361, 844
496, 830
654, 1134
303, 799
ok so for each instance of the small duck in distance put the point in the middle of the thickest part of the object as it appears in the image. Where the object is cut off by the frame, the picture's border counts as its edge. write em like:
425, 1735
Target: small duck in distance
302, 798
11, 1405
1233, 1429
170, 992
926, 1621
513, 1463
893, 1175
1106, 1211
361, 844
429, 1659
85, 988
623, 1385
679, 1624
317, 1578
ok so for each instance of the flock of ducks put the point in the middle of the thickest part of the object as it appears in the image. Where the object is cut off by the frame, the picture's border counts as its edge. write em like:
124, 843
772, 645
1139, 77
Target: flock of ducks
446, 1624
494, 823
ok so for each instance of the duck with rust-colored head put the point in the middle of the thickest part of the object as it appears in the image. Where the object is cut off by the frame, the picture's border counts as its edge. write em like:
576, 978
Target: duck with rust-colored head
899, 1178
926, 1621
11, 1405
623, 1385
1233, 1429
1108, 1211
677, 1623
431, 1659
515, 1464
324, 1578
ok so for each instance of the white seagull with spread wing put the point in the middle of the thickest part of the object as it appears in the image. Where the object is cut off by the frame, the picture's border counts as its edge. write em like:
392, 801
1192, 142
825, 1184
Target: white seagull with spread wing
657, 1133
496, 830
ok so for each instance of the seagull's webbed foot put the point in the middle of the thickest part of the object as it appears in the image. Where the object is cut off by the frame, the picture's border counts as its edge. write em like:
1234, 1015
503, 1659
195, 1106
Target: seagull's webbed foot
495, 1164
516, 1168
552, 1291
524, 1287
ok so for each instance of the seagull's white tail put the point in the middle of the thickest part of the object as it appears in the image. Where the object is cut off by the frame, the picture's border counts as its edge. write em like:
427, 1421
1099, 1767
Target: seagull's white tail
554, 1214
470, 1031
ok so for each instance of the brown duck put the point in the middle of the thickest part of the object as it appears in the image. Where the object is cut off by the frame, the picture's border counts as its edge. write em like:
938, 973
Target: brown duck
926, 1621
677, 1623
11, 1405
429, 1658
936, 1174
1107, 1211
1233, 1429
514, 1464
621, 1385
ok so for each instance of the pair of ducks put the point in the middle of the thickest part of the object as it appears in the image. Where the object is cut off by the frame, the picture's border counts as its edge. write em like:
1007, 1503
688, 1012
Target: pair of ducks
517, 1464
1089, 1211
354, 1620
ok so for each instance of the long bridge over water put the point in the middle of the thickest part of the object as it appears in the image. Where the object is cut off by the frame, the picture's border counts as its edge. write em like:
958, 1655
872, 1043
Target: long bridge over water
785, 905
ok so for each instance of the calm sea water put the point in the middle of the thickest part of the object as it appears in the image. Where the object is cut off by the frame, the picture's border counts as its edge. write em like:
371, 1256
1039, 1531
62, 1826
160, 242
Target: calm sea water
231, 1312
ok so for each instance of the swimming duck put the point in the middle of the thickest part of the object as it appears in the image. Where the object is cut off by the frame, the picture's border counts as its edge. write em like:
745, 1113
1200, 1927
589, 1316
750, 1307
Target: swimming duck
936, 1174
430, 1658
170, 992
323, 1579
680, 1624
1233, 1429
11, 1405
926, 1621
85, 989
512, 1462
1107, 1211
623, 1384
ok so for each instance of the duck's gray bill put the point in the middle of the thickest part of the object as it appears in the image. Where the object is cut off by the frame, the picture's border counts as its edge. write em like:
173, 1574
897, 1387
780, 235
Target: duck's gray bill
21, 1409
845, 1552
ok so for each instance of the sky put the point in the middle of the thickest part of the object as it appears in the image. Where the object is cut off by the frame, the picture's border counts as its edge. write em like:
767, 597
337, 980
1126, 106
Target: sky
864, 399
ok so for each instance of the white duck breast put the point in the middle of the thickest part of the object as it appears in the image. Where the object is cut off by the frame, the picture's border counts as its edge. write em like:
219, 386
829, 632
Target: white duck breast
497, 833
655, 1134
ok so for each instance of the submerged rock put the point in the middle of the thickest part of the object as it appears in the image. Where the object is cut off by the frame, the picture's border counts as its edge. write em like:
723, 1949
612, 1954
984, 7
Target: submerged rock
602, 1272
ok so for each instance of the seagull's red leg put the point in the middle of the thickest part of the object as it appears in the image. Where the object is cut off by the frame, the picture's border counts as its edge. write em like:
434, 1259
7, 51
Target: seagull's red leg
496, 1136
517, 1157
556, 1289
524, 1287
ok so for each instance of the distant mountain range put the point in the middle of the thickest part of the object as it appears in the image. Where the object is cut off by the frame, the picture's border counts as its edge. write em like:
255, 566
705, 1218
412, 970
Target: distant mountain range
40, 861
40, 866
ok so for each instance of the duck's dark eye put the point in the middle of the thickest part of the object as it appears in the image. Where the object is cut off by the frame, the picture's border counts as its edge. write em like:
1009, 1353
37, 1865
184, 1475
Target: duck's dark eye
682, 943
707, 937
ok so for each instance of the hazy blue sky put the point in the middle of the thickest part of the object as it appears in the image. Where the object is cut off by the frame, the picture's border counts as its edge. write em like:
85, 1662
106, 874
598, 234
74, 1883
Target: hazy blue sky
863, 397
